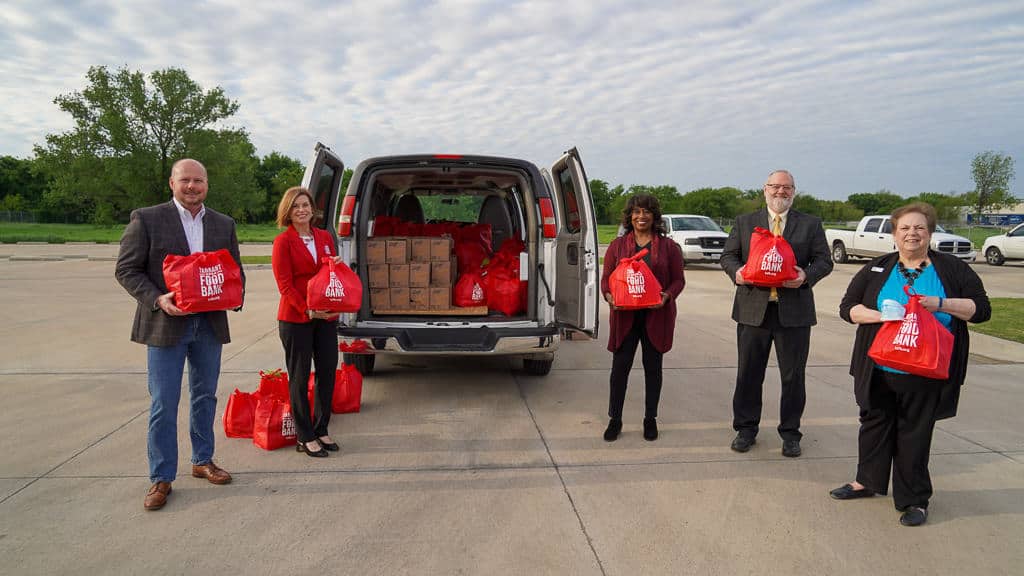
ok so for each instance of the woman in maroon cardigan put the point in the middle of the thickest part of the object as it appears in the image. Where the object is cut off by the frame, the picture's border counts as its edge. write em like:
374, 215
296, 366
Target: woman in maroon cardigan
652, 328
307, 335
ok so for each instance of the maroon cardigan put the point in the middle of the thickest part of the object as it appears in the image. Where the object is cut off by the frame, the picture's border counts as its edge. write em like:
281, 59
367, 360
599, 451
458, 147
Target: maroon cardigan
667, 266
294, 267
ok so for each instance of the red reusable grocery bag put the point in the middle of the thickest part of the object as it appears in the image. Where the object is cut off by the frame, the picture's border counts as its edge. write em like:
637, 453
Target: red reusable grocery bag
348, 390
919, 344
239, 415
204, 281
771, 260
334, 288
273, 427
469, 290
273, 384
633, 284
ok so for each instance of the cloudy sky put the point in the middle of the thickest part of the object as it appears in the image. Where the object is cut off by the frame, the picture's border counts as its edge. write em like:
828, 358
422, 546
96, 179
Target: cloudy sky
851, 96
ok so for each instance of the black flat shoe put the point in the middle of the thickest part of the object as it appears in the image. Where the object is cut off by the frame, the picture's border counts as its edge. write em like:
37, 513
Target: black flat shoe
301, 447
329, 446
791, 448
650, 429
742, 443
846, 492
914, 516
612, 431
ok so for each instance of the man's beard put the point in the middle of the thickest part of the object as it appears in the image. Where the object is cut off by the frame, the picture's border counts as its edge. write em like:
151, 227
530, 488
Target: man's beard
779, 205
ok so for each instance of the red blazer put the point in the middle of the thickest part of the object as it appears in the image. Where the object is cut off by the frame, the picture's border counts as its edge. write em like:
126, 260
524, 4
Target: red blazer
294, 267
667, 266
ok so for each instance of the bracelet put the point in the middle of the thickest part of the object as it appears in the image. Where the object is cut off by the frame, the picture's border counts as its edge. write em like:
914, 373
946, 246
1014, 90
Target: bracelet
941, 300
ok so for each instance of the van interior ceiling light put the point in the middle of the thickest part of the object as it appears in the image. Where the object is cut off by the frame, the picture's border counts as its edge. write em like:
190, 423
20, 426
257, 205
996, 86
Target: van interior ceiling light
547, 215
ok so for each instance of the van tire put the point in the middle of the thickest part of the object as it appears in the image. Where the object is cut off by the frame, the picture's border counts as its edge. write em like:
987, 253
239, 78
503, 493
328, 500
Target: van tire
362, 362
537, 367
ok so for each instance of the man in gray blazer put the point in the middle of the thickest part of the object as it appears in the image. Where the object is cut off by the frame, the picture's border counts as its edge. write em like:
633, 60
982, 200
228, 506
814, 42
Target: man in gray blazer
182, 226
782, 316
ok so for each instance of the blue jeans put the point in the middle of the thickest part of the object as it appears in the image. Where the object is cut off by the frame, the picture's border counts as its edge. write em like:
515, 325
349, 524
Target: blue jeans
166, 364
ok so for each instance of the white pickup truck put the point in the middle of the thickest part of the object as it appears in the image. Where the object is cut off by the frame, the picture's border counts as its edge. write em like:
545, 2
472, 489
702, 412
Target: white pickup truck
873, 237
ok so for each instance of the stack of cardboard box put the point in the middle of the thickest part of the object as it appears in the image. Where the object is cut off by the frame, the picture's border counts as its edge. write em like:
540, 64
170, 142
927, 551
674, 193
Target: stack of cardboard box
410, 273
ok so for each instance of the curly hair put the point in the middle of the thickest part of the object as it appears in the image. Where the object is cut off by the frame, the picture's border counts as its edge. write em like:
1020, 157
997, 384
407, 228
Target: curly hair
650, 203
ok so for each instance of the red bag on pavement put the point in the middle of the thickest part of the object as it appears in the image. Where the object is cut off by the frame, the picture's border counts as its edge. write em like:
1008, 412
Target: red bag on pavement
273, 426
771, 260
469, 290
204, 281
273, 384
633, 285
334, 288
348, 390
919, 344
239, 415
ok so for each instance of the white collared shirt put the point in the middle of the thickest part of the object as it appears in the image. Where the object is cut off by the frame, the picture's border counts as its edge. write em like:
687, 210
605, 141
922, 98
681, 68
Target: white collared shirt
782, 222
193, 226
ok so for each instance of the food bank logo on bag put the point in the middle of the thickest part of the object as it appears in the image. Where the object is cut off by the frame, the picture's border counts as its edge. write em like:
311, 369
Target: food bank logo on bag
334, 288
211, 280
906, 338
287, 424
478, 292
635, 283
771, 263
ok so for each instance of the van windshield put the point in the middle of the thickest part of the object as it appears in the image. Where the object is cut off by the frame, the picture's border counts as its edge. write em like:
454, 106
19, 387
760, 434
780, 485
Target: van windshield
694, 223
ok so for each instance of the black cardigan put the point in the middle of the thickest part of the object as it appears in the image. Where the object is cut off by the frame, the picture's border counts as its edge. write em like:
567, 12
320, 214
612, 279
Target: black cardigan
959, 281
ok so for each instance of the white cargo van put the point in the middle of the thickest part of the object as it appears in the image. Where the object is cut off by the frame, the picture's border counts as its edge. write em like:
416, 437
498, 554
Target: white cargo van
549, 210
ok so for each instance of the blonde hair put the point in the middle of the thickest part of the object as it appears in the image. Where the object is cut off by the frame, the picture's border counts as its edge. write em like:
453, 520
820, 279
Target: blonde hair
284, 207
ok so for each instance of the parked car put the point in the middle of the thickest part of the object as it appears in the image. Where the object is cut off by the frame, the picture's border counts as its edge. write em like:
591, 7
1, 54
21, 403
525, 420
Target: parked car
873, 237
701, 239
1009, 246
550, 210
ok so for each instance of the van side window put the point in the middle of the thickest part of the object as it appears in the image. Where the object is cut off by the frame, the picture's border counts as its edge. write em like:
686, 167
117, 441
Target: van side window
873, 225
321, 191
569, 201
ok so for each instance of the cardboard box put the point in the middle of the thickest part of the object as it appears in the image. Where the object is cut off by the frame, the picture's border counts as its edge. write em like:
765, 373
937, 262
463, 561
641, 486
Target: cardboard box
378, 275
397, 251
379, 299
440, 249
419, 249
398, 275
441, 273
376, 251
440, 297
419, 298
419, 274
399, 297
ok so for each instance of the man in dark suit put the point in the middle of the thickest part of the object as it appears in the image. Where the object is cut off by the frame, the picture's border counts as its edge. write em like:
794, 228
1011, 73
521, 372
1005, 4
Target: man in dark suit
182, 226
779, 316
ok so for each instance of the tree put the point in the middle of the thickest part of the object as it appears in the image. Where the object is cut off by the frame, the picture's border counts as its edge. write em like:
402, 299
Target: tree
947, 206
603, 197
21, 185
712, 202
881, 202
275, 174
127, 133
992, 173
231, 163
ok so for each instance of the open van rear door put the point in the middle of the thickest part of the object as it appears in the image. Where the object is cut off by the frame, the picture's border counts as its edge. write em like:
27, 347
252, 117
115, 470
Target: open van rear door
577, 279
323, 180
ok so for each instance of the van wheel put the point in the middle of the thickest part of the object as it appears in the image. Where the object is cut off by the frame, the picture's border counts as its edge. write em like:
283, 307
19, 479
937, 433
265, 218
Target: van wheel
537, 367
839, 253
994, 257
362, 362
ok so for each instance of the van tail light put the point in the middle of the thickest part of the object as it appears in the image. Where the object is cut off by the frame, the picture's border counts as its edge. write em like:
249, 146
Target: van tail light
547, 217
345, 219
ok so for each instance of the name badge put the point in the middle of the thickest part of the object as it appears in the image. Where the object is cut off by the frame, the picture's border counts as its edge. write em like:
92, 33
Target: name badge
877, 269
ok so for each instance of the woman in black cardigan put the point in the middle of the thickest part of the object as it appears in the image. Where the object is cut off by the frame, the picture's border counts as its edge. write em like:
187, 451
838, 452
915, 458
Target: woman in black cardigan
898, 411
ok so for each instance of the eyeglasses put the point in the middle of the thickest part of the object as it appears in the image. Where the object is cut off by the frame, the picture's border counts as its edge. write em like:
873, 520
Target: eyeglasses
783, 187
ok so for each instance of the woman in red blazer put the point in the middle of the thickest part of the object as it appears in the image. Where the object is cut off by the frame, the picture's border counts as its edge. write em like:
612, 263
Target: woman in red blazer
653, 327
307, 335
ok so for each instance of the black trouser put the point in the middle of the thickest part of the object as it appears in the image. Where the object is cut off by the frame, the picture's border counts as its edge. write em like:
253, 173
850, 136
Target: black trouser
315, 341
897, 432
622, 363
753, 345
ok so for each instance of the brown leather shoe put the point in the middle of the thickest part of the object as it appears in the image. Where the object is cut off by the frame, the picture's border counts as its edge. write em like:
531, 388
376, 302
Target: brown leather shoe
211, 472
157, 496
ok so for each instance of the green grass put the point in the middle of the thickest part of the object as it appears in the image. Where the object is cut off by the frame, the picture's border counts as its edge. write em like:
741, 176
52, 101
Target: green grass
11, 232
255, 259
976, 234
1007, 320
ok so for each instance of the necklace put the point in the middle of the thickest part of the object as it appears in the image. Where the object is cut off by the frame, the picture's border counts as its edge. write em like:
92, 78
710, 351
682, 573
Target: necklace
911, 275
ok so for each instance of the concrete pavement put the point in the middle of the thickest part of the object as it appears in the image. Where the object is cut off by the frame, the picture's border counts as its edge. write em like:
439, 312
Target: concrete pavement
473, 467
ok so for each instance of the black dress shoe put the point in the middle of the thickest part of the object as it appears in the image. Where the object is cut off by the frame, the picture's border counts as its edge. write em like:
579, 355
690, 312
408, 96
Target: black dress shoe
329, 446
914, 516
742, 444
650, 429
791, 448
301, 447
613, 429
847, 492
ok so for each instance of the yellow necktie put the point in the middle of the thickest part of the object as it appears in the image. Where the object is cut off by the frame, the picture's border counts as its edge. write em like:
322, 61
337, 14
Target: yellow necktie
773, 295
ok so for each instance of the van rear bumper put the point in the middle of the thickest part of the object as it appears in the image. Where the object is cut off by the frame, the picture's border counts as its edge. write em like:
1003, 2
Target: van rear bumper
459, 341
